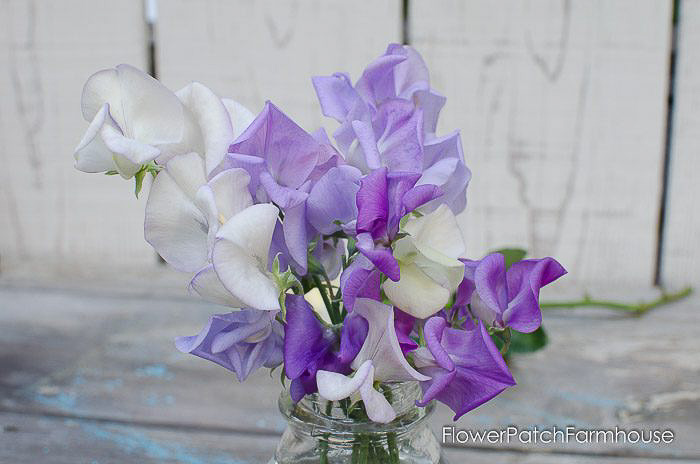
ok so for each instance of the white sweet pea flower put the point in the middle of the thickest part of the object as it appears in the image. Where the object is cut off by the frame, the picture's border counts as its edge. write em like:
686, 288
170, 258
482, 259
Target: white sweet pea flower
240, 256
428, 260
334, 387
134, 120
131, 115
189, 220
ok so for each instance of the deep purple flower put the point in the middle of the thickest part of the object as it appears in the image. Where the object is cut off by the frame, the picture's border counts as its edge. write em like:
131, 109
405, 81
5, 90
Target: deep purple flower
510, 298
240, 341
403, 323
383, 199
310, 347
465, 367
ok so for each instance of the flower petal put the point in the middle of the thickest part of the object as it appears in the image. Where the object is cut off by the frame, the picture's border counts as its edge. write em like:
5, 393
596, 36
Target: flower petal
240, 116
334, 386
490, 281
416, 293
230, 188
382, 345
91, 154
208, 286
213, 120
132, 149
173, 225
304, 342
240, 256
377, 406
380, 257
335, 94
152, 114
373, 203
437, 231
333, 198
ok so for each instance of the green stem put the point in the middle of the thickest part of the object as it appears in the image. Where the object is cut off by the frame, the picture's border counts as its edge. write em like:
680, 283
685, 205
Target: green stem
324, 439
326, 301
643, 307
363, 453
505, 336
393, 448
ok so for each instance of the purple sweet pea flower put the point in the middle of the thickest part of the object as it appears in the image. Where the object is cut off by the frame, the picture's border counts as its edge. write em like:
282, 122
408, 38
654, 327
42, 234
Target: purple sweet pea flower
284, 163
458, 314
465, 367
403, 323
389, 119
308, 346
383, 199
361, 279
240, 341
509, 298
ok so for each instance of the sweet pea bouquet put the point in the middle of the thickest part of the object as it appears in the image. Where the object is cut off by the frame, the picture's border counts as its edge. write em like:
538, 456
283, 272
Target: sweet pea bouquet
341, 261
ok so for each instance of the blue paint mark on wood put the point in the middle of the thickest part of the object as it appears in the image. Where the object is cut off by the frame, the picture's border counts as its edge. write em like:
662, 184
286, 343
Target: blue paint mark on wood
159, 371
137, 442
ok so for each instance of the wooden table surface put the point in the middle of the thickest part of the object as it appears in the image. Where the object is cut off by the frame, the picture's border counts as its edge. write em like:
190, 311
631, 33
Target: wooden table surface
93, 377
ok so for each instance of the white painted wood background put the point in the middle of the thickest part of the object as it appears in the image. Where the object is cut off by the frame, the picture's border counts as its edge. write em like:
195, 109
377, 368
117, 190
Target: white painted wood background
562, 107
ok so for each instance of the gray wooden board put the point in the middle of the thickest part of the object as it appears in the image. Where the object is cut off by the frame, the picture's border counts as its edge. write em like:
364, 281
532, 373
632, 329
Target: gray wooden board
80, 355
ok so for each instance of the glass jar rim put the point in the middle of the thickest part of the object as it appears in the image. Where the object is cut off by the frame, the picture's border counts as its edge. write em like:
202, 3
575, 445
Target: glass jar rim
322, 416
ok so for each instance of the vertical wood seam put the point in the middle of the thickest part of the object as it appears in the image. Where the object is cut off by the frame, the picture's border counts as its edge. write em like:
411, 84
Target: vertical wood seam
405, 20
668, 142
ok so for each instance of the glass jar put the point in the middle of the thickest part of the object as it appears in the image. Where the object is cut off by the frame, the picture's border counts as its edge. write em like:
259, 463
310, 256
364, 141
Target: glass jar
330, 432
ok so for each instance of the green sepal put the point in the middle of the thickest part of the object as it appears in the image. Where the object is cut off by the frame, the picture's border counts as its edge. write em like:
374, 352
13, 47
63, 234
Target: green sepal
138, 181
512, 255
528, 342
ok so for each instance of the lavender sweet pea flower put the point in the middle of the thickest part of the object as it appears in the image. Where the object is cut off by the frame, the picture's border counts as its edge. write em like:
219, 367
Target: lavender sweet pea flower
284, 163
389, 119
465, 367
510, 298
361, 279
443, 165
241, 341
331, 204
398, 74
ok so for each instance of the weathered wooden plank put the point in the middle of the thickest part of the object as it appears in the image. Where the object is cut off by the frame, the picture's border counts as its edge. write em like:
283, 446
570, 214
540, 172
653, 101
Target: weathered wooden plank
562, 110
681, 256
268, 50
34, 439
54, 219
112, 357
